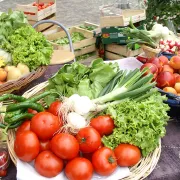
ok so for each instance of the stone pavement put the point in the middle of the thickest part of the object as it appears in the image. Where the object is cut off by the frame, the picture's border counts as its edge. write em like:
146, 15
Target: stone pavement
69, 12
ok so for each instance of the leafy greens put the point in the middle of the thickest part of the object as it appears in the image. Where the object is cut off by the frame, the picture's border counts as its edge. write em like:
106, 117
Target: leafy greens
80, 79
139, 123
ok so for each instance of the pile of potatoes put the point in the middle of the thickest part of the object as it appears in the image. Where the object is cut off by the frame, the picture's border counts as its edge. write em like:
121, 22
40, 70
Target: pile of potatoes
9, 73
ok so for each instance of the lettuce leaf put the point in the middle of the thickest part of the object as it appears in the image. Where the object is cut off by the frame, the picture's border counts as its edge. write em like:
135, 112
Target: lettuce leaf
139, 123
81, 79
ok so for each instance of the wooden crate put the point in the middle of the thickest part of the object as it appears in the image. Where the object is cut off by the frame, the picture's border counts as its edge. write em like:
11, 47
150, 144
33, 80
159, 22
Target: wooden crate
45, 26
96, 26
112, 56
123, 20
90, 40
122, 50
85, 50
33, 13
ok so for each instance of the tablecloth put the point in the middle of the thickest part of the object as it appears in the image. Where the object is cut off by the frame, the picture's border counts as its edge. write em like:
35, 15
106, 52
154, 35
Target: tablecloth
168, 167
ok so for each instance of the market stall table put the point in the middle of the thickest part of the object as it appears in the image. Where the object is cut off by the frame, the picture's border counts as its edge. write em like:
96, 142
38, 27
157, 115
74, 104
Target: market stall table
169, 163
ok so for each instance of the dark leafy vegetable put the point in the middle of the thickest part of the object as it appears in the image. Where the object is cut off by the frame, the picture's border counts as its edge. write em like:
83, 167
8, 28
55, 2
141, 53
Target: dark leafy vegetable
139, 123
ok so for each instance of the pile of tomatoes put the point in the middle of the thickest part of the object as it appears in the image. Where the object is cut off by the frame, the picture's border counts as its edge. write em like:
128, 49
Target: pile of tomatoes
40, 6
41, 139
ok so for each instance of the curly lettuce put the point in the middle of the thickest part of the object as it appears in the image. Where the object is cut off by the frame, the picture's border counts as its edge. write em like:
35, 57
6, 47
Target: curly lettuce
139, 123
29, 47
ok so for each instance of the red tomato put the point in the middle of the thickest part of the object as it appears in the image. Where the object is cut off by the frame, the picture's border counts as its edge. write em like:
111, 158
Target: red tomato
3, 173
26, 146
127, 155
44, 145
3, 158
32, 111
79, 169
89, 140
54, 107
103, 124
104, 161
45, 125
47, 164
65, 146
51, 3
25, 126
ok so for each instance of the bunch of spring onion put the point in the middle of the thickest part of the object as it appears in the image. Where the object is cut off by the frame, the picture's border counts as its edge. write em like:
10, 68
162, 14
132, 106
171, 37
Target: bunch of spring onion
76, 111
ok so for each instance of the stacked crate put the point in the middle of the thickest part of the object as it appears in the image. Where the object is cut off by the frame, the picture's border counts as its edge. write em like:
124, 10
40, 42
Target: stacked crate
47, 10
112, 37
81, 48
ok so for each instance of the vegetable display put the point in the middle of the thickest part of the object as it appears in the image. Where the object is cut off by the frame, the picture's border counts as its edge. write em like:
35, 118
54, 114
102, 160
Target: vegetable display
22, 49
89, 119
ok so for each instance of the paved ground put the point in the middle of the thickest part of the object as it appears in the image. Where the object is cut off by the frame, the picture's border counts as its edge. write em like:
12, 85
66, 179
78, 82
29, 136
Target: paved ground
69, 12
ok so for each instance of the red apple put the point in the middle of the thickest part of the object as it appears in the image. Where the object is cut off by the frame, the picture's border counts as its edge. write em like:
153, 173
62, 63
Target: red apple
157, 62
167, 68
175, 62
165, 79
164, 60
152, 69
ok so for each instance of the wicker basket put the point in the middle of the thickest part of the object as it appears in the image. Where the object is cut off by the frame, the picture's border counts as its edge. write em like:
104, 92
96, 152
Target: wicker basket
138, 172
150, 52
11, 86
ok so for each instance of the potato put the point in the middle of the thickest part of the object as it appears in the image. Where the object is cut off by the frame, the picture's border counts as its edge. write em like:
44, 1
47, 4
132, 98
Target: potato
14, 74
23, 68
8, 68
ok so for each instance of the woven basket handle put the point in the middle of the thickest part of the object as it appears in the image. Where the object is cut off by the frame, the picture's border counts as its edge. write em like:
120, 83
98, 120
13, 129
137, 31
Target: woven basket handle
60, 25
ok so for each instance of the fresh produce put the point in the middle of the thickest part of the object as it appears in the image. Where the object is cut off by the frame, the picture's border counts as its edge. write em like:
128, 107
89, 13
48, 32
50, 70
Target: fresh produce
167, 68
152, 69
48, 165
40, 6
157, 62
44, 145
3, 173
127, 155
165, 79
6, 57
9, 22
25, 126
3, 158
45, 125
13, 74
177, 87
54, 107
75, 37
164, 60
139, 123
23, 69
65, 146
26, 146
175, 62
79, 168
104, 161
170, 90
89, 140
79, 79
103, 124
3, 74
28, 47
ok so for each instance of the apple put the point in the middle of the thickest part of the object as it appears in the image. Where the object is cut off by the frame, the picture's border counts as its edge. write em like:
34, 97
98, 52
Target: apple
165, 79
175, 62
164, 60
177, 78
167, 68
152, 69
157, 62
